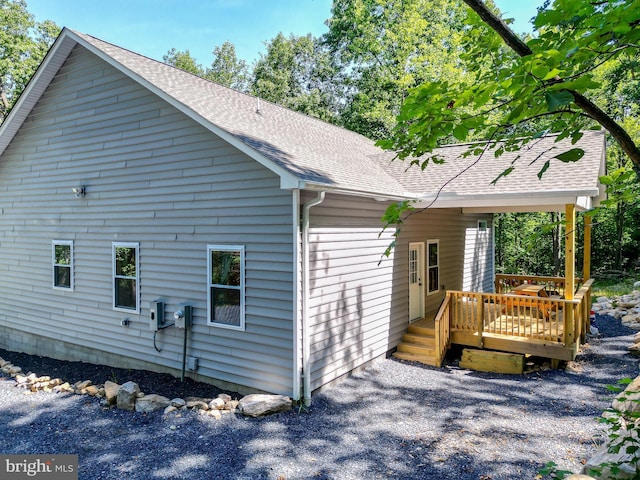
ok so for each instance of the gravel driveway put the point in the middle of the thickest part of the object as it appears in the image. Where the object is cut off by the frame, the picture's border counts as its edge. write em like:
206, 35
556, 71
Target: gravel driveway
394, 420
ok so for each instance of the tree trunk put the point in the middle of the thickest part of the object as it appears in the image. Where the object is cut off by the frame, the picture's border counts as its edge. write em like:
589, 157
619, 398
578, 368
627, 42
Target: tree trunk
592, 110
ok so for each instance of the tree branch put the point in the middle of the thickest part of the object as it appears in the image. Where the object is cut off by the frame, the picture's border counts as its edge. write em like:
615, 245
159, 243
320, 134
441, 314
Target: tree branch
522, 49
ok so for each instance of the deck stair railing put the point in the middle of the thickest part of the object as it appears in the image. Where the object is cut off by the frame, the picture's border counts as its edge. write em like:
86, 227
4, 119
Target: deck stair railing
442, 330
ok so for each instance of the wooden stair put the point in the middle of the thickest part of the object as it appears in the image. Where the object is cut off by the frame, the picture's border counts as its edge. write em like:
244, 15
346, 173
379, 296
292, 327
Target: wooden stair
418, 344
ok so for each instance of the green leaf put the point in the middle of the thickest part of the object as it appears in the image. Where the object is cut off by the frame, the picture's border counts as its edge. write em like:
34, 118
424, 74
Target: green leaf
552, 74
503, 174
572, 155
558, 99
543, 169
460, 132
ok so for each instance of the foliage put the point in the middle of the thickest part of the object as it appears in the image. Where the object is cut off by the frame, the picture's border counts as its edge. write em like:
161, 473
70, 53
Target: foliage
23, 44
386, 48
184, 61
226, 69
298, 73
538, 87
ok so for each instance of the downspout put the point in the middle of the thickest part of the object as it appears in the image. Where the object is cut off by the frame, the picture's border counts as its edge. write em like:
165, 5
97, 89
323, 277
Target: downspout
306, 357
297, 294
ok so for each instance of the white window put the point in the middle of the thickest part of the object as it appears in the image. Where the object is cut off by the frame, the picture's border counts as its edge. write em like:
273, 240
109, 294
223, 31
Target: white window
62, 260
126, 277
433, 266
226, 286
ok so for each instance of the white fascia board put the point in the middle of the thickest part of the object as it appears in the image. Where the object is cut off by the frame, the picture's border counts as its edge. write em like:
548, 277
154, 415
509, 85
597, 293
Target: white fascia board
287, 179
379, 196
35, 88
511, 202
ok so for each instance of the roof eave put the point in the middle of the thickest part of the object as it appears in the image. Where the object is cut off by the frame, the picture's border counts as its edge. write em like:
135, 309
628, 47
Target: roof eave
514, 202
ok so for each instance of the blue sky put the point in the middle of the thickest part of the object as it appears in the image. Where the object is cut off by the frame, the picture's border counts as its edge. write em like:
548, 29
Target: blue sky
153, 27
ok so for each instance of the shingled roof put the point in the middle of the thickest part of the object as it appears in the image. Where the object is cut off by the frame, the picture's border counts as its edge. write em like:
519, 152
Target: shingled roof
311, 154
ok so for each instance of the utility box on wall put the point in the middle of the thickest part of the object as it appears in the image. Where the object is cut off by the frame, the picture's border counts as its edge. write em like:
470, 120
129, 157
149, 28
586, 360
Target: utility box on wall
156, 315
183, 317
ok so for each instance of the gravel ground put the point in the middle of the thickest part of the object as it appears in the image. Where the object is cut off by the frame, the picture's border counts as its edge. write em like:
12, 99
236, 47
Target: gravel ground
393, 420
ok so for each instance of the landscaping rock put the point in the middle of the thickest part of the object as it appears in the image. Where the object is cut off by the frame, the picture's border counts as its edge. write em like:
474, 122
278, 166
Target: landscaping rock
226, 397
170, 409
217, 404
629, 399
151, 403
111, 392
198, 404
178, 402
127, 395
257, 404
627, 470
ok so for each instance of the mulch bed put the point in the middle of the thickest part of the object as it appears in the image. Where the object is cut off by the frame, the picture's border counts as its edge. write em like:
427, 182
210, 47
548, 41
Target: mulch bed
149, 382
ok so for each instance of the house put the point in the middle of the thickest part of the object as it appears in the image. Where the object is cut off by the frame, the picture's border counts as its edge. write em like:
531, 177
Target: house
152, 219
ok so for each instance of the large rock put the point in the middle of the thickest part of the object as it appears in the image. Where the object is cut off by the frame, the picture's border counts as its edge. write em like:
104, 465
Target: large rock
629, 399
111, 392
151, 403
579, 476
127, 395
621, 459
258, 404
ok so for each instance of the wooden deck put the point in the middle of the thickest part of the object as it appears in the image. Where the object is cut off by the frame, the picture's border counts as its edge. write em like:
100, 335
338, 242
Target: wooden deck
547, 326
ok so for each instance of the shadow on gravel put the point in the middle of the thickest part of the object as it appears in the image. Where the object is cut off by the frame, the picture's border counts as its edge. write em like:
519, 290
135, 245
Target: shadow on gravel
394, 420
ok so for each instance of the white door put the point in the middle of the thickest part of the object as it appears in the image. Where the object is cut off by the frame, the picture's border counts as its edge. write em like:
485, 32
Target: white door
416, 281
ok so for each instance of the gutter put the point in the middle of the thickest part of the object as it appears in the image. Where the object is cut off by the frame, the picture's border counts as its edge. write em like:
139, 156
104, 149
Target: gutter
306, 357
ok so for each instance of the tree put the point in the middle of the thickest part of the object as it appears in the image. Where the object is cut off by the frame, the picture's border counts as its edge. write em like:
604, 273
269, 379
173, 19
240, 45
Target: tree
183, 61
387, 48
227, 69
537, 86
298, 73
23, 44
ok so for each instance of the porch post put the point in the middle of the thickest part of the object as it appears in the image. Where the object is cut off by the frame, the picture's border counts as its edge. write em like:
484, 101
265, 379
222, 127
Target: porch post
569, 273
586, 262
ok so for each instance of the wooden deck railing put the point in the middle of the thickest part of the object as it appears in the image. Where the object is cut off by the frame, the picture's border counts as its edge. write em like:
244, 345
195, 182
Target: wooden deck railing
554, 286
554, 325
508, 315
442, 330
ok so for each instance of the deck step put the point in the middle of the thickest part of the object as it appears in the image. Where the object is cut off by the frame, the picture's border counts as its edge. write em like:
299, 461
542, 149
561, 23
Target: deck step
421, 330
417, 349
428, 340
413, 357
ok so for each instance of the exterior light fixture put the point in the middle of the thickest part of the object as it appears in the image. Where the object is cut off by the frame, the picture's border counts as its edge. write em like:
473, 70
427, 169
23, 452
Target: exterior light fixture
79, 191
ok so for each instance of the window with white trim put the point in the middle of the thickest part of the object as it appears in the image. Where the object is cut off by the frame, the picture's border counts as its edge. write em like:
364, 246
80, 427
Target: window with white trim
62, 260
226, 286
126, 276
433, 266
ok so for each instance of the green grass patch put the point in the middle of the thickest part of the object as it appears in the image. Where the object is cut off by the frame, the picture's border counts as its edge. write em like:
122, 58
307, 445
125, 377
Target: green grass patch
612, 287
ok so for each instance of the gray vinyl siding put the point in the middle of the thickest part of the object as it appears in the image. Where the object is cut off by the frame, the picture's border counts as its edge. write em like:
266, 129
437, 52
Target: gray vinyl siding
479, 258
156, 177
465, 263
359, 305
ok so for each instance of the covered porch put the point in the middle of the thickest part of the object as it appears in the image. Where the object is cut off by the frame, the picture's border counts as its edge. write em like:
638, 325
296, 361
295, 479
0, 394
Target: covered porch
528, 315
